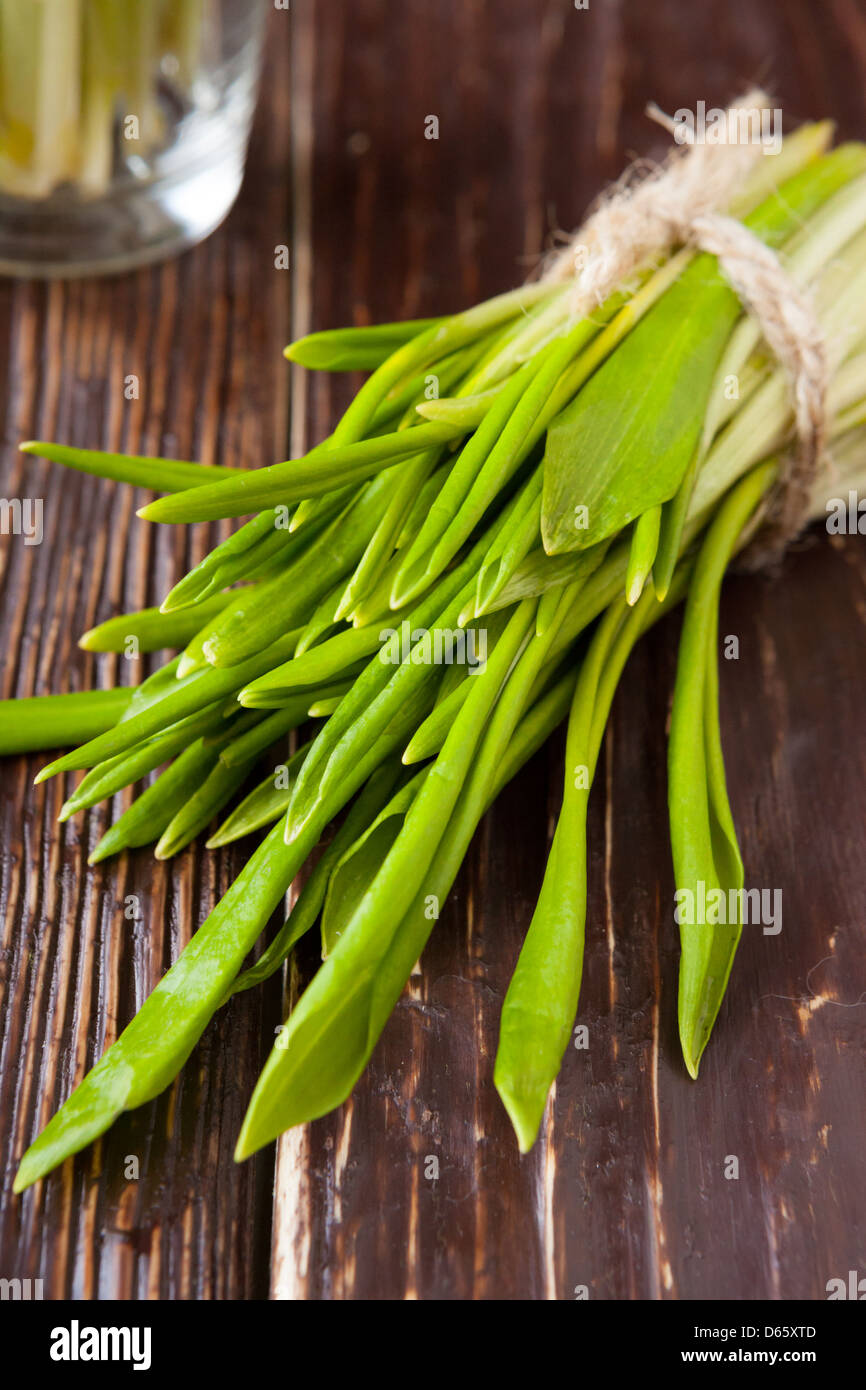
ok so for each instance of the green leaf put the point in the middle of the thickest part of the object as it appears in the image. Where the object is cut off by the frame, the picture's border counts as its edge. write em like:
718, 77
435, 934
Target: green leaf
154, 1046
624, 443
337, 1022
169, 706
56, 721
539, 1007
703, 839
162, 475
320, 471
541, 1000
642, 552
354, 349
367, 804
360, 863
147, 817
263, 805
151, 628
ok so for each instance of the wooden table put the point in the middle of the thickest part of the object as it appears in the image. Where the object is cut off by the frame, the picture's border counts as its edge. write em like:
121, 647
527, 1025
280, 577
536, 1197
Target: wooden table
538, 104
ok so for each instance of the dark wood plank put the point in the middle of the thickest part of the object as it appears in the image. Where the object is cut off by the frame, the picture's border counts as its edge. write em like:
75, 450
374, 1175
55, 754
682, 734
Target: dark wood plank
625, 1194
204, 335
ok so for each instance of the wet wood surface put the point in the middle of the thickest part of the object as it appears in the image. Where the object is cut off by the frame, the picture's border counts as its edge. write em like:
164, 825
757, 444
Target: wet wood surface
415, 1188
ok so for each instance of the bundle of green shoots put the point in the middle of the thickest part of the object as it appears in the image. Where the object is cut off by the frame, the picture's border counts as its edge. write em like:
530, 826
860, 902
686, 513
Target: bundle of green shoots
432, 517
82, 86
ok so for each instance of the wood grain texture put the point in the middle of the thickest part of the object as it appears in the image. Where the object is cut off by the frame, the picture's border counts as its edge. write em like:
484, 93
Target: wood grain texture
538, 104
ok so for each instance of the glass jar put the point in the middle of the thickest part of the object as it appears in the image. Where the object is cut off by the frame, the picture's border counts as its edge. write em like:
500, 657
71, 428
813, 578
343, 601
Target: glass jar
123, 127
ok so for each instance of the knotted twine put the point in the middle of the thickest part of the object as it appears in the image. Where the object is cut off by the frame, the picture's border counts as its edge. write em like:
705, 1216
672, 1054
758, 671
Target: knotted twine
653, 208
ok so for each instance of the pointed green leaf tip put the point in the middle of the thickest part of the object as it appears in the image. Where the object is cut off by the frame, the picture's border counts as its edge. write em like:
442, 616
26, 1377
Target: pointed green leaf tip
156, 1043
703, 838
319, 471
354, 349
139, 470
692, 1063
89, 1112
525, 1110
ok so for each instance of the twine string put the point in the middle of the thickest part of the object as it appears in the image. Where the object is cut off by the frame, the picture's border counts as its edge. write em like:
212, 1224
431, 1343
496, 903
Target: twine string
677, 203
